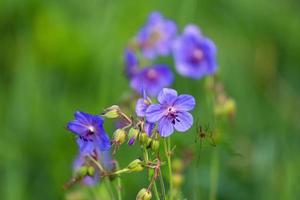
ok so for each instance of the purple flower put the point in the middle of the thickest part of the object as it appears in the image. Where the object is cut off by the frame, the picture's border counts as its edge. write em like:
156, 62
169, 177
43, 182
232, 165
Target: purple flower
90, 132
156, 37
141, 106
152, 79
194, 54
131, 63
171, 112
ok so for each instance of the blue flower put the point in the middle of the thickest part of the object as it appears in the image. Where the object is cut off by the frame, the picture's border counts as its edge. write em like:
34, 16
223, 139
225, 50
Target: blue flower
90, 132
194, 54
156, 37
131, 63
141, 106
171, 112
152, 79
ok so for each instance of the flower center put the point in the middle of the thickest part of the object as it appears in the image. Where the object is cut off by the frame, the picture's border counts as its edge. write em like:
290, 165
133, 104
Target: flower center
198, 54
151, 74
172, 115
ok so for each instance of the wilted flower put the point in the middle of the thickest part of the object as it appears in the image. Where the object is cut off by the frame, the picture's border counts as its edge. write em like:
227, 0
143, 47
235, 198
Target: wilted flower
131, 63
156, 37
152, 79
90, 132
194, 54
171, 112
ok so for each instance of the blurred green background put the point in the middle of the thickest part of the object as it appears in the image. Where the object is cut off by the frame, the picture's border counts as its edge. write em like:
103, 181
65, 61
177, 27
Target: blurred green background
60, 56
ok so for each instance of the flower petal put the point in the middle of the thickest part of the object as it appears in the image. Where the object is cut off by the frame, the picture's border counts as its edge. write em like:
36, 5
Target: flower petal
102, 140
83, 117
184, 122
165, 127
185, 102
77, 127
85, 147
154, 112
167, 96
141, 107
148, 128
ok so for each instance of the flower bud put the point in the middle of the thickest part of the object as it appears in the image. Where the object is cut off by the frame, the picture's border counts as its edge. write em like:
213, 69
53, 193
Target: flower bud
177, 165
155, 145
82, 171
135, 166
144, 194
132, 135
230, 106
148, 142
91, 171
143, 137
112, 112
119, 136
177, 180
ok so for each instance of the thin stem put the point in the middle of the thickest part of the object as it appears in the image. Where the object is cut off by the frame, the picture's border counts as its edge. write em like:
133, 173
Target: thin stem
156, 191
167, 152
214, 173
162, 185
119, 184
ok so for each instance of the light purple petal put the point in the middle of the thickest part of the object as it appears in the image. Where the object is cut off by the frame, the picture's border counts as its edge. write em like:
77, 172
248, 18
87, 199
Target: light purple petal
185, 102
165, 127
148, 128
192, 29
77, 127
141, 107
154, 113
85, 147
167, 96
184, 122
102, 140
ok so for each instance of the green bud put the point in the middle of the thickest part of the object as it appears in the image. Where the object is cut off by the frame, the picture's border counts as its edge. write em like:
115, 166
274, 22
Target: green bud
112, 112
148, 142
132, 135
119, 136
135, 166
82, 171
143, 137
144, 194
177, 180
91, 171
155, 145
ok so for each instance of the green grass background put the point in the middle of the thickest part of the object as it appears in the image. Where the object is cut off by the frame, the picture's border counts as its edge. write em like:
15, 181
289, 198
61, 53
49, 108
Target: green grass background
60, 56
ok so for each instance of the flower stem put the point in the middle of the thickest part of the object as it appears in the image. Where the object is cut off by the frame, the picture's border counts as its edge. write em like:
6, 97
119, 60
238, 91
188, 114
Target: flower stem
162, 185
119, 184
168, 155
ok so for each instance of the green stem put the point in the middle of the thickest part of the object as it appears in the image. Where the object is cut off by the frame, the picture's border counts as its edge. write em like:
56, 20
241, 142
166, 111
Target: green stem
167, 152
156, 191
162, 185
214, 174
119, 184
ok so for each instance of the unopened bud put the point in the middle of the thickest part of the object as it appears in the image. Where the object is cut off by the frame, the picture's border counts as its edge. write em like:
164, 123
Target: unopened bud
82, 171
119, 136
230, 106
91, 171
135, 166
177, 180
177, 165
143, 137
112, 112
148, 142
155, 145
132, 135
144, 194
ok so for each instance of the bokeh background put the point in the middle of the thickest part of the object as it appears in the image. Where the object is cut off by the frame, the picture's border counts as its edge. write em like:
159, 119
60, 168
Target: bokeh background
60, 56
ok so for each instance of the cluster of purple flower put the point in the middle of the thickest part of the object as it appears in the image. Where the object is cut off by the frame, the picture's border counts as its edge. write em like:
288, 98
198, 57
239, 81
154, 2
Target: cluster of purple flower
194, 55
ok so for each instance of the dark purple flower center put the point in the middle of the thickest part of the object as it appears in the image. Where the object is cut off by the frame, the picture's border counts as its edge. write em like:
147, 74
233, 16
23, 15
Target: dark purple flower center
196, 56
89, 134
151, 74
172, 115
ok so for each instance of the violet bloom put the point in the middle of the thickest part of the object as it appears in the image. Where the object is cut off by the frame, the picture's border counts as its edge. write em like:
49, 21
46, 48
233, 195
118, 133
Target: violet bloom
141, 106
156, 37
194, 54
171, 112
131, 63
152, 79
90, 132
